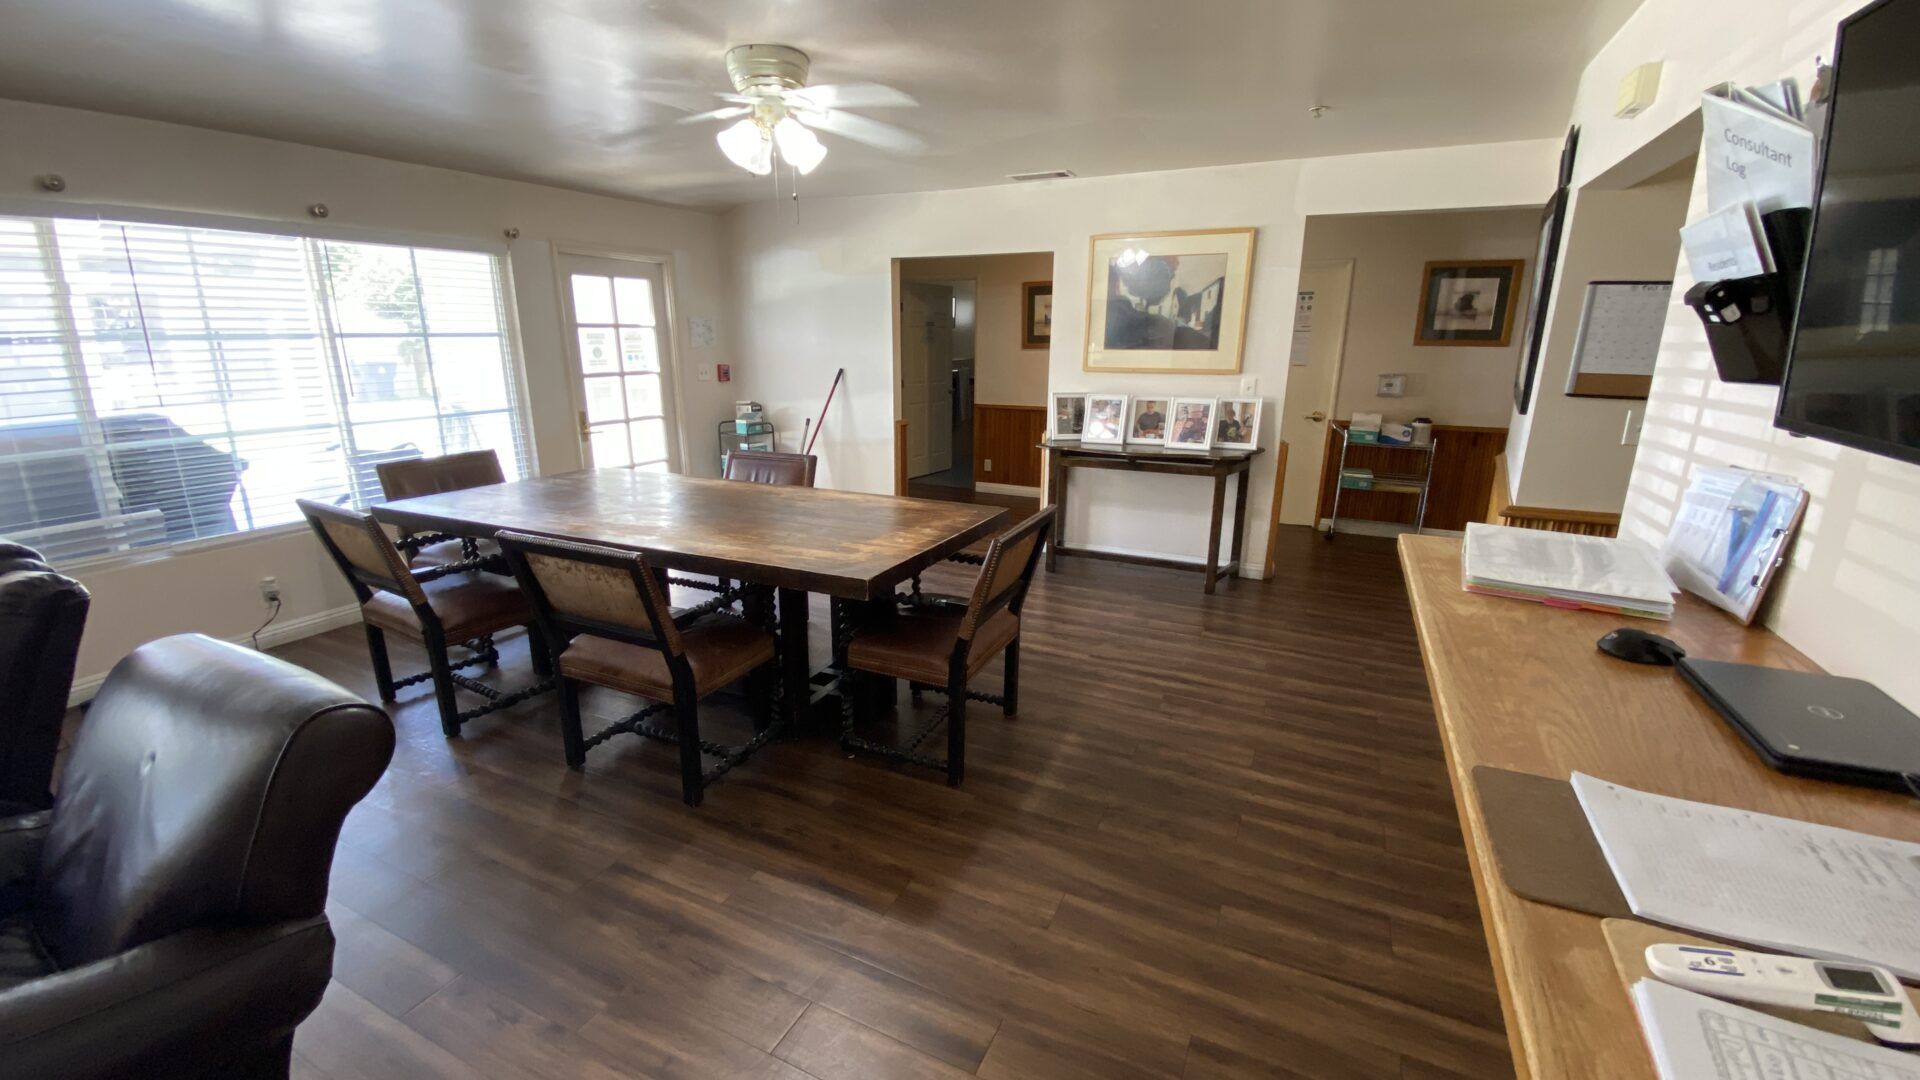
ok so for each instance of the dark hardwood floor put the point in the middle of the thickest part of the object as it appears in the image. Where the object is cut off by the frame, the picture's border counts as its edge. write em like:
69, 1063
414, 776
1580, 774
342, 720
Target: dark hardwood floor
1217, 842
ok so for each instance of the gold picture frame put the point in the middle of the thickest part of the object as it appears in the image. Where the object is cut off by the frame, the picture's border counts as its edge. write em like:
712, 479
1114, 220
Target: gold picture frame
1036, 318
1169, 303
1448, 284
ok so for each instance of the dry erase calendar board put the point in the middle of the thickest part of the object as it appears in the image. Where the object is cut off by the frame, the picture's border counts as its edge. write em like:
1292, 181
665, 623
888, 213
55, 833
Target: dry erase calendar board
1619, 338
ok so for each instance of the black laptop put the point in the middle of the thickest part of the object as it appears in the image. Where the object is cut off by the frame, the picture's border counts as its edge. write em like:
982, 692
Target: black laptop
1823, 726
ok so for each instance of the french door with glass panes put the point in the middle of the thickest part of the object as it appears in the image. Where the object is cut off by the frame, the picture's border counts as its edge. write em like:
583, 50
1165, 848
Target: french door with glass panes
617, 313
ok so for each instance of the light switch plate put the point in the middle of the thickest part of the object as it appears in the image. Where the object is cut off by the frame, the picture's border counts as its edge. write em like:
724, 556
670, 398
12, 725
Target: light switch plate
704, 372
1392, 386
1249, 386
1630, 434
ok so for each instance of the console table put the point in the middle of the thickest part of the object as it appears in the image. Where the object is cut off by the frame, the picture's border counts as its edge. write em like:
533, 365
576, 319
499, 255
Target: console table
1063, 455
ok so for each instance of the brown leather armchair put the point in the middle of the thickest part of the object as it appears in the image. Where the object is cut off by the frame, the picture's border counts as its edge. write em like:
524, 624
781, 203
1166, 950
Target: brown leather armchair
166, 917
41, 616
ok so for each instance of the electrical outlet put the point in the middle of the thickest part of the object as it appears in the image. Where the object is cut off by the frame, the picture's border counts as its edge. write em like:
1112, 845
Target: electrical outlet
989, 465
269, 591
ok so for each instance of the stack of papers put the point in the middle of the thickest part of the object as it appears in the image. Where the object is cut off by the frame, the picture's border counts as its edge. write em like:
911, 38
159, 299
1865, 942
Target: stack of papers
1778, 883
1598, 573
1694, 1037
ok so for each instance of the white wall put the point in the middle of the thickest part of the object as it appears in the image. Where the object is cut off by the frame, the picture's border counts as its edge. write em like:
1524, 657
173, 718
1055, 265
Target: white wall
1004, 372
1850, 597
817, 292
1450, 384
124, 162
1579, 461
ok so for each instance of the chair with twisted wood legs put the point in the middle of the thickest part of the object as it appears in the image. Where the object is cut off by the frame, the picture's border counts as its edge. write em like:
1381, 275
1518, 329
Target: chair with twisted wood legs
438, 607
605, 617
412, 477
942, 646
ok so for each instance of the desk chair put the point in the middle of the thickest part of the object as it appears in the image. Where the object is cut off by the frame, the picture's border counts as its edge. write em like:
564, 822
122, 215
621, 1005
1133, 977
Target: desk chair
436, 606
605, 617
941, 646
414, 477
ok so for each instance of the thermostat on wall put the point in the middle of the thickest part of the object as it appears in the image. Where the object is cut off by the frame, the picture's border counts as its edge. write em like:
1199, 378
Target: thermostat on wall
1392, 386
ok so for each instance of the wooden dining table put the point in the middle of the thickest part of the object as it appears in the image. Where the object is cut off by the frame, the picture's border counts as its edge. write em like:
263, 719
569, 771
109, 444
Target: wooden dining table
798, 540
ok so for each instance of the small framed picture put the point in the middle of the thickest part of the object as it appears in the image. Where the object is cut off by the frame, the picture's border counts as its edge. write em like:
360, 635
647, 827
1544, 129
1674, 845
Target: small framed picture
1148, 423
1236, 423
1106, 419
1069, 416
1036, 331
1468, 302
1190, 423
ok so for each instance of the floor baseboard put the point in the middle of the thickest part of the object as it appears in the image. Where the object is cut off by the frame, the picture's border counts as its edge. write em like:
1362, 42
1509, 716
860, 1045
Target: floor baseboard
1006, 489
278, 634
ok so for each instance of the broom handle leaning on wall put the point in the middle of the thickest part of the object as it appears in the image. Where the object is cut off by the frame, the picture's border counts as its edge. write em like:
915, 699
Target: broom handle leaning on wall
837, 376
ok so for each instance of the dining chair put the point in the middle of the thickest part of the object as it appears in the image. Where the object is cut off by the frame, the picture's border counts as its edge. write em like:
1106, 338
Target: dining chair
604, 615
413, 477
942, 646
769, 467
760, 467
438, 607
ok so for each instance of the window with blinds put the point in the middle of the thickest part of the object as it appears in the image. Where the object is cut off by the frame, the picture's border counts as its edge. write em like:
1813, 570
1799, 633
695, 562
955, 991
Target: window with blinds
161, 383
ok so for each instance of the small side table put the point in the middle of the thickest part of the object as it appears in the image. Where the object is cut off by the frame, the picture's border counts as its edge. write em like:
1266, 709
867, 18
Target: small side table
1066, 454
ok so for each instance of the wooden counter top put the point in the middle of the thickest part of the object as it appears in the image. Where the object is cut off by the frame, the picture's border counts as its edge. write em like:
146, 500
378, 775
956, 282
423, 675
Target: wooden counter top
1521, 686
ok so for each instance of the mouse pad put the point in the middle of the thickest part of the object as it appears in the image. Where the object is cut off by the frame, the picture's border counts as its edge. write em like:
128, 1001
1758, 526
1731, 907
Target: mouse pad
1543, 844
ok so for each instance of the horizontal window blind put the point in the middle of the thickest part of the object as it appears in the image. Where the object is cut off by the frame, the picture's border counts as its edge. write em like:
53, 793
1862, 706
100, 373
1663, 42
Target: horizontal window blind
161, 384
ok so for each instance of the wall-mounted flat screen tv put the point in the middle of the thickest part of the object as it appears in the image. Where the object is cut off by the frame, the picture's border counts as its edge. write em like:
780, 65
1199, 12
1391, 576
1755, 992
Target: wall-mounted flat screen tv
1853, 373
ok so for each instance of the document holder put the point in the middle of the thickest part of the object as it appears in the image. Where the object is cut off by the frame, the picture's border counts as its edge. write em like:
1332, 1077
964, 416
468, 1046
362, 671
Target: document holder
1749, 320
1543, 845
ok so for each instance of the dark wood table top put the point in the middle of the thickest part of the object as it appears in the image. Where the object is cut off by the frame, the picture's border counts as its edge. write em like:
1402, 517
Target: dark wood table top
841, 543
1149, 452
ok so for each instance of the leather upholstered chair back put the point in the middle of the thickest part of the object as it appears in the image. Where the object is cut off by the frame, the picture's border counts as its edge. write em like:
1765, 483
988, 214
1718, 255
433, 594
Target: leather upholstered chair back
1007, 570
768, 467
207, 785
431, 476
586, 588
42, 614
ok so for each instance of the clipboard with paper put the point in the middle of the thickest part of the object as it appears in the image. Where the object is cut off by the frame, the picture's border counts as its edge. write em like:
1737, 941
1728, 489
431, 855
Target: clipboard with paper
1731, 536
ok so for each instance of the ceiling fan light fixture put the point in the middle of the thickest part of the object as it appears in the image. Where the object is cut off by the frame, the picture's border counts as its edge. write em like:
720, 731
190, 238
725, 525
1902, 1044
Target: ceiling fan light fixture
746, 144
799, 146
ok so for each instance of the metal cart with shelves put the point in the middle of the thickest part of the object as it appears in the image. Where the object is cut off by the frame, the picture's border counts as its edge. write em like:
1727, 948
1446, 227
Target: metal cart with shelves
1409, 483
743, 435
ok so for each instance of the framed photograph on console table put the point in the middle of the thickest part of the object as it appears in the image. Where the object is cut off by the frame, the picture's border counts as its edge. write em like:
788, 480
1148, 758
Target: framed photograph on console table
1190, 424
1236, 424
1149, 423
1168, 302
1068, 419
1106, 419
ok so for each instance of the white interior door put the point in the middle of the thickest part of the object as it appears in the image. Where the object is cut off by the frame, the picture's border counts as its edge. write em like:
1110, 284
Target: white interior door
1313, 386
618, 331
918, 303
940, 381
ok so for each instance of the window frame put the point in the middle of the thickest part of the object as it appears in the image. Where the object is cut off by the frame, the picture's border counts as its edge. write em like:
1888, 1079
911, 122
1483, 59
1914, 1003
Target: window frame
520, 406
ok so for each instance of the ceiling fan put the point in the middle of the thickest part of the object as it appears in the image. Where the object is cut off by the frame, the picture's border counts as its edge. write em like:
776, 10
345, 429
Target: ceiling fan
777, 112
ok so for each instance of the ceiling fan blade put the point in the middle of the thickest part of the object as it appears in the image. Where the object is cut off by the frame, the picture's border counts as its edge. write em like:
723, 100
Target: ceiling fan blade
851, 96
726, 113
862, 130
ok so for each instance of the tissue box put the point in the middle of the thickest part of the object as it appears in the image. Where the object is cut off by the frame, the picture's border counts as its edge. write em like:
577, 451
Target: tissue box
1396, 434
1356, 479
1364, 428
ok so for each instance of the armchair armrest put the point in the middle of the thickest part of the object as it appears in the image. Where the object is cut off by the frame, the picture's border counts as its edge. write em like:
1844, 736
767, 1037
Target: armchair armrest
191, 1003
21, 839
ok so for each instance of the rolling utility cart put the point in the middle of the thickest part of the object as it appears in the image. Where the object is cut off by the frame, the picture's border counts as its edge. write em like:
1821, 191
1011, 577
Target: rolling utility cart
743, 435
1409, 483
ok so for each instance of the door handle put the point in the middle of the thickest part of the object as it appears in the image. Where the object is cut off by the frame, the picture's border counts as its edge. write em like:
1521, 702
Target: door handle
585, 431
1317, 416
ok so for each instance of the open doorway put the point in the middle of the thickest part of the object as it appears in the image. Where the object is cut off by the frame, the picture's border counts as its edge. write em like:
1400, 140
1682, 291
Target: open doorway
1364, 280
972, 383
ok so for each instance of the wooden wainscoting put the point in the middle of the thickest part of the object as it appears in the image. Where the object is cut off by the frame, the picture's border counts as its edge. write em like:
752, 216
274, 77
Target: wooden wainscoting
1009, 436
1463, 469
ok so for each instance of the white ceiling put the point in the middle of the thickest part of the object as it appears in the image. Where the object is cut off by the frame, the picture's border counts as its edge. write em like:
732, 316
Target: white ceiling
536, 89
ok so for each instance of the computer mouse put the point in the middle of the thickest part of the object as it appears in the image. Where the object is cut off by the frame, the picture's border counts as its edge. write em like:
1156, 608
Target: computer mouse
1640, 647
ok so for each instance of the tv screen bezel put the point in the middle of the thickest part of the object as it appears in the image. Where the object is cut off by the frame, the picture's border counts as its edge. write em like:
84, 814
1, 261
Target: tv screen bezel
1781, 420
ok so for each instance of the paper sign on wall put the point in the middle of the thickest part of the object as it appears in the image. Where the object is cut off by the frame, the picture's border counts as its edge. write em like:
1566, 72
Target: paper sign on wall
1302, 328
